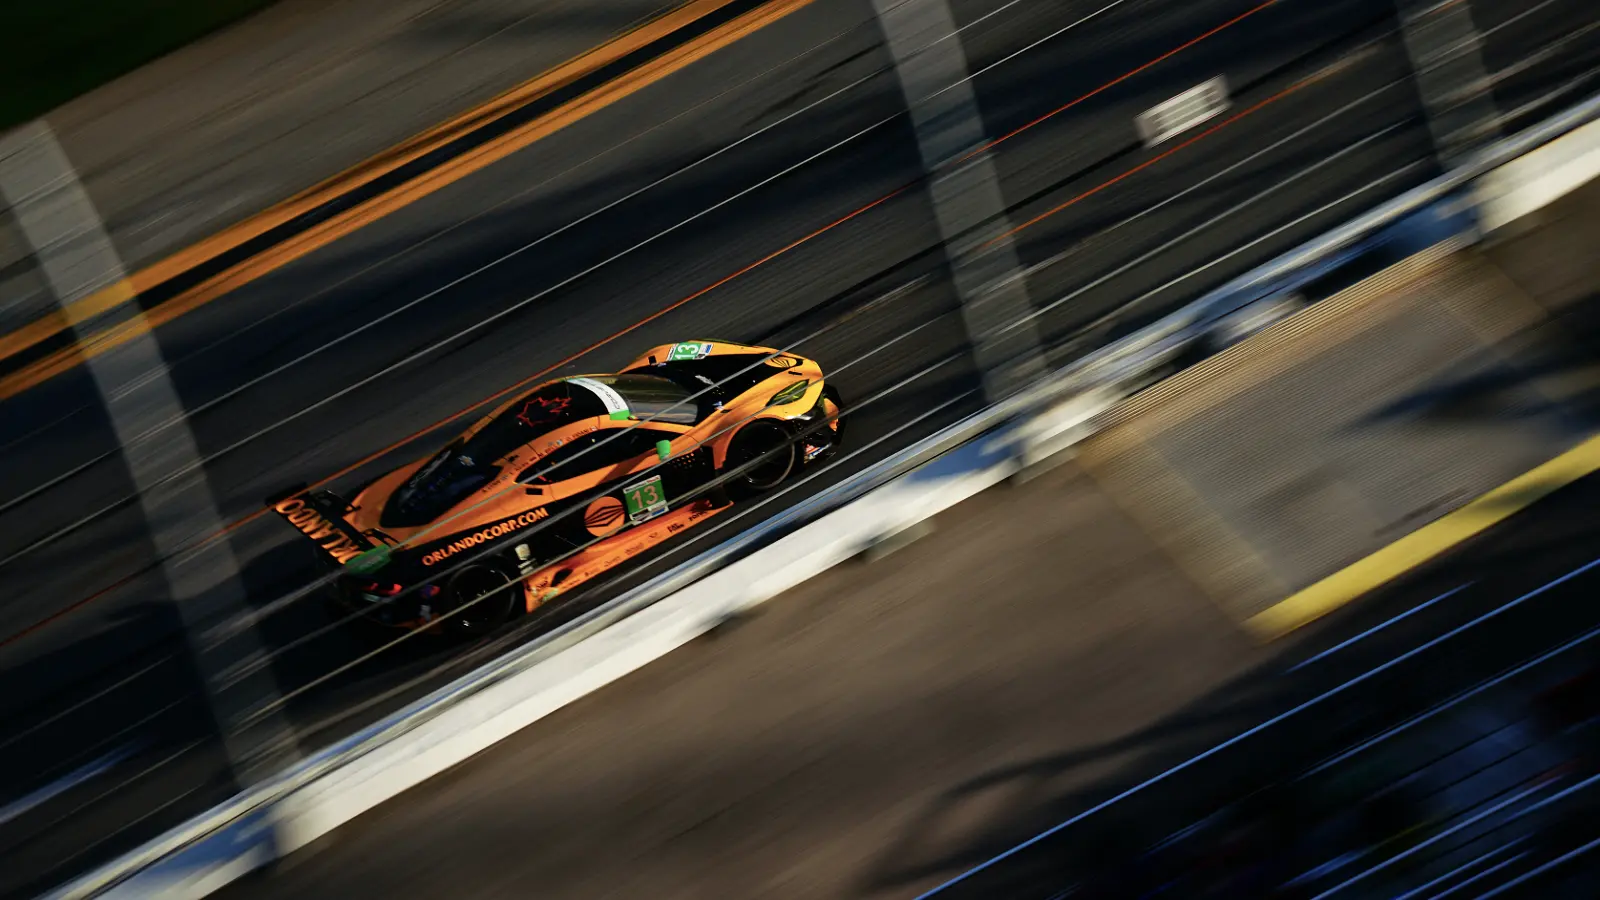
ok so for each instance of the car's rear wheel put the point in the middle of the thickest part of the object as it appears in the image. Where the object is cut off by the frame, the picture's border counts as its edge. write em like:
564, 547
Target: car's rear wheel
763, 455
480, 599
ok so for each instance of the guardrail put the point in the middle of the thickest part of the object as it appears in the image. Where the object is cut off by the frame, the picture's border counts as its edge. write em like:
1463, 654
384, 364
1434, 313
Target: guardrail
500, 697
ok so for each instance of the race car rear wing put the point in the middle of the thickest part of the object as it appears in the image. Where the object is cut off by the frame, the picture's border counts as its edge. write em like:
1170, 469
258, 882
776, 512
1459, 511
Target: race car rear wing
319, 515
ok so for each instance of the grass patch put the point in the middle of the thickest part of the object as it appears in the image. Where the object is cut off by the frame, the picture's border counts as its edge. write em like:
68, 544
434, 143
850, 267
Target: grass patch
54, 50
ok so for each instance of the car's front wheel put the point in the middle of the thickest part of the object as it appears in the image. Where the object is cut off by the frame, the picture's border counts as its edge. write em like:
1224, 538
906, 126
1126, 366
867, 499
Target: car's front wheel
762, 456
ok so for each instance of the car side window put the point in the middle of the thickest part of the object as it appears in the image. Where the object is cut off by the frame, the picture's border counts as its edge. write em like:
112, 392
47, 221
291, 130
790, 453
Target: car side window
600, 450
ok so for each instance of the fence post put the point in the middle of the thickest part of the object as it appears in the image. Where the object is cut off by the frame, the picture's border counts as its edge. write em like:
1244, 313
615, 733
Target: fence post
964, 187
1445, 48
59, 222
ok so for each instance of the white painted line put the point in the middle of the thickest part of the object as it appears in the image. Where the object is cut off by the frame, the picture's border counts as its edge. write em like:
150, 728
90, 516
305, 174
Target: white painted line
497, 712
478, 721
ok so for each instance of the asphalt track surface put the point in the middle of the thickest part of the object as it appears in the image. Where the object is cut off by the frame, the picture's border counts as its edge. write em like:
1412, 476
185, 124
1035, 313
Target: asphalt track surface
558, 248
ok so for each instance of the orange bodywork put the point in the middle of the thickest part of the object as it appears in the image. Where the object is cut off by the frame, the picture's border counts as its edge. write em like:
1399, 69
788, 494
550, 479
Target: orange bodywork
497, 502
544, 585
556, 488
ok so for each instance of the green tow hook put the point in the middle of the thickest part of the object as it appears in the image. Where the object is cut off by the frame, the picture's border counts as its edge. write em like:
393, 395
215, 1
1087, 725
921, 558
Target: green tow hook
369, 562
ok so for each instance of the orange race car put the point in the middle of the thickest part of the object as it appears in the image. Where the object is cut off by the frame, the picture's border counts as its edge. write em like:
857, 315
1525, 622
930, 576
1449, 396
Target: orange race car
567, 481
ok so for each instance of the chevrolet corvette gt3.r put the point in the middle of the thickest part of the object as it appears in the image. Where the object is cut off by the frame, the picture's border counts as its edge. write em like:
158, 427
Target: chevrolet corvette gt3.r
568, 481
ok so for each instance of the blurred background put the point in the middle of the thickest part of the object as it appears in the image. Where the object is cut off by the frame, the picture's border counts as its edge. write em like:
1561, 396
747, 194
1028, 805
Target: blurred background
1281, 313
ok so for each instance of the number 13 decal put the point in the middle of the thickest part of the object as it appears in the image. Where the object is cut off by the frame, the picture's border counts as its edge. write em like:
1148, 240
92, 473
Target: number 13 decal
645, 500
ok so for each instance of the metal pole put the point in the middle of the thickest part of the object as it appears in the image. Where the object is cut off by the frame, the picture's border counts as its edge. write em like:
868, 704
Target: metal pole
931, 65
1445, 48
60, 223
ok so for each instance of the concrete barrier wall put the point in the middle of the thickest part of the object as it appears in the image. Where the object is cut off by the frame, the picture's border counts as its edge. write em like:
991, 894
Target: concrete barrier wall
1539, 178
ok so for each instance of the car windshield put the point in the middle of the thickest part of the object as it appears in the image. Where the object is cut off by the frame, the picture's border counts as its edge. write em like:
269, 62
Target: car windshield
656, 399
464, 467
547, 408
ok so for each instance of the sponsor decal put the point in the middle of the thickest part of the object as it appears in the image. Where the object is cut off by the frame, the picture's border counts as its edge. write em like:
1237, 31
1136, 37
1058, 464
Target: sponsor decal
540, 410
313, 525
700, 511
604, 516
498, 529
615, 406
783, 362
689, 350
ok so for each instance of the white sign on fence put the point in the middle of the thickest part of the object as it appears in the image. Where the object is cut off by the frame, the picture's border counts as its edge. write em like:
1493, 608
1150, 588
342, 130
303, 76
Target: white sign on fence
1183, 112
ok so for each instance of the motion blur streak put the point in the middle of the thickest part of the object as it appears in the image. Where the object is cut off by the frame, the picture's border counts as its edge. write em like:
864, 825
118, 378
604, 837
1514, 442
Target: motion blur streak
465, 411
1130, 73
1245, 735
274, 706
345, 222
479, 325
1176, 148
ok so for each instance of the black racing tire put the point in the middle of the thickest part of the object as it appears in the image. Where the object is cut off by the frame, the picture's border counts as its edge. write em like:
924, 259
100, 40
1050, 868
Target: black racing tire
466, 614
756, 441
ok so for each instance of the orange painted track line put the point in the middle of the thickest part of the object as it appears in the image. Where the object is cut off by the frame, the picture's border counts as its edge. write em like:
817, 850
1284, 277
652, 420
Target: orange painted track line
238, 523
605, 340
365, 213
432, 139
1153, 160
574, 357
362, 173
72, 608
1121, 78
465, 411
